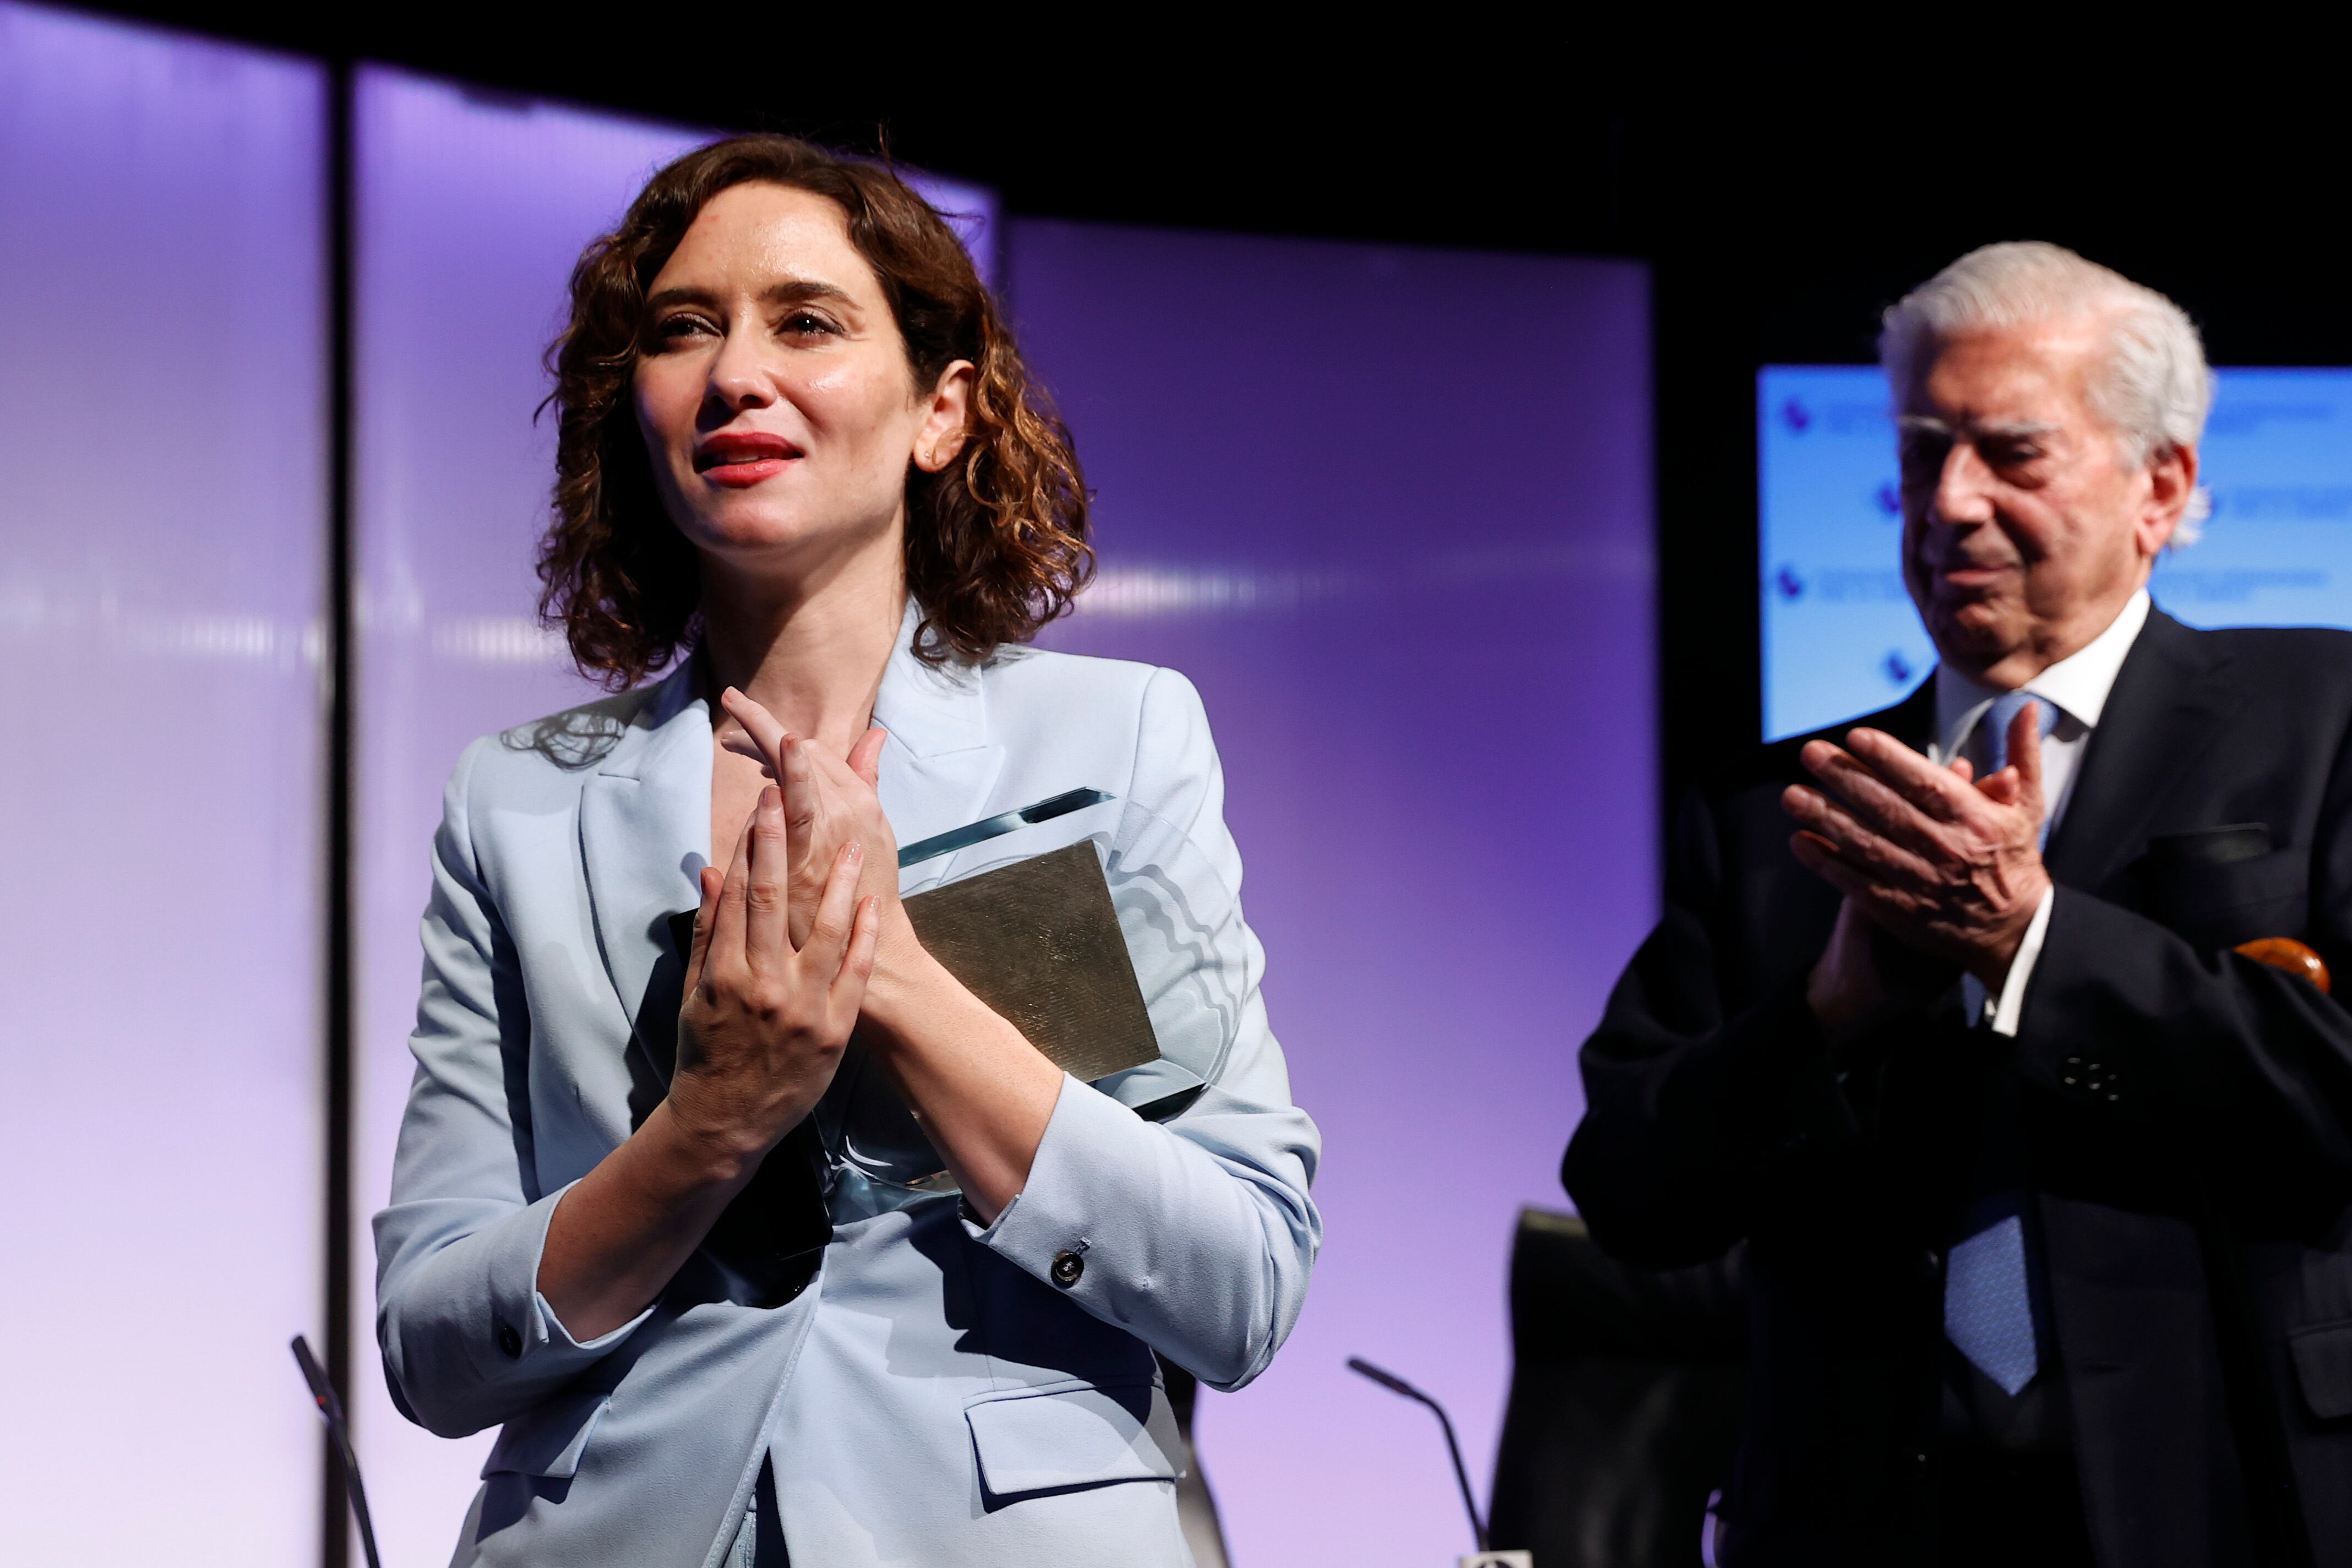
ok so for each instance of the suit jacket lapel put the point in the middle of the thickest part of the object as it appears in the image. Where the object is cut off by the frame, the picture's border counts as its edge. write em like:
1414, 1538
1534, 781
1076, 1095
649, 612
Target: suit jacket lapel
645, 833
2165, 712
940, 761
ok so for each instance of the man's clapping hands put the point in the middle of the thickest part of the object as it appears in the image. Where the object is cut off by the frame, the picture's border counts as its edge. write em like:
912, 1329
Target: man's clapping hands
1942, 872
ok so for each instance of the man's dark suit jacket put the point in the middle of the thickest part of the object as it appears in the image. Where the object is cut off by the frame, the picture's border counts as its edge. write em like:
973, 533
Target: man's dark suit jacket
2185, 1116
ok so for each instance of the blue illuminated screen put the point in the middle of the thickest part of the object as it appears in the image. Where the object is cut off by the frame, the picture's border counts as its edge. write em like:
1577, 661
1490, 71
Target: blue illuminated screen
1840, 635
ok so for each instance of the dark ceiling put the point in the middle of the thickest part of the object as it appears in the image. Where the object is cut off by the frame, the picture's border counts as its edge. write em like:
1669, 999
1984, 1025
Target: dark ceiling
1783, 188
1816, 175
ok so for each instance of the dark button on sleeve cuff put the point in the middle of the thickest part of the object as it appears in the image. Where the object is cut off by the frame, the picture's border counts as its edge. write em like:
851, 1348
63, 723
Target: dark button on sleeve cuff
1067, 1268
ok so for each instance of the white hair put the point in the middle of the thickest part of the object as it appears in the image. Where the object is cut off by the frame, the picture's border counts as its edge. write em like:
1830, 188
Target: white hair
2155, 389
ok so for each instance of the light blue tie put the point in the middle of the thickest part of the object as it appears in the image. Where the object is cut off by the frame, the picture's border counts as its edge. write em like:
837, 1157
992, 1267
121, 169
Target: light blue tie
1992, 738
1994, 726
1988, 1306
1987, 1298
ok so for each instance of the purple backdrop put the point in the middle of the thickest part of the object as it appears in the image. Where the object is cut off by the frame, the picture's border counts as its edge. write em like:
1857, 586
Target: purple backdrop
163, 509
1390, 509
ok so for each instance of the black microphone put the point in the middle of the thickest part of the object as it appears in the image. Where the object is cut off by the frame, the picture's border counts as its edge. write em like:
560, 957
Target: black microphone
330, 1410
1396, 1385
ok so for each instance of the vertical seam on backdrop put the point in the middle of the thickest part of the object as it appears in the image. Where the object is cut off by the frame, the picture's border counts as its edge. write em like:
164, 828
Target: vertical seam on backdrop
337, 1020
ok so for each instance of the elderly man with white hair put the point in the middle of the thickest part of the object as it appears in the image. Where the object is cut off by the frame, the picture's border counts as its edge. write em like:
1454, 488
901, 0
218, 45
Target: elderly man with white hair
2044, 1185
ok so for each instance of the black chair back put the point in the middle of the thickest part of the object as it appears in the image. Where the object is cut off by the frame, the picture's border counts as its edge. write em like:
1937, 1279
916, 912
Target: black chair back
1626, 1392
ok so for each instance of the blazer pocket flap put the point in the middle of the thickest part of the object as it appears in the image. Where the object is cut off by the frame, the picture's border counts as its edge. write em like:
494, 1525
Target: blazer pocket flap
1034, 1441
2222, 846
2238, 883
2220, 904
2323, 1366
549, 1439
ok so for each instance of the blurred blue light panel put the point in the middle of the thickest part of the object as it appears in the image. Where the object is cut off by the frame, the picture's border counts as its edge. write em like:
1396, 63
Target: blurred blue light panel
1840, 636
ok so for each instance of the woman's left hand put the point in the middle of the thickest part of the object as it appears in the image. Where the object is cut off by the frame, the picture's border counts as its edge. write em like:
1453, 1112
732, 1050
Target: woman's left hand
828, 801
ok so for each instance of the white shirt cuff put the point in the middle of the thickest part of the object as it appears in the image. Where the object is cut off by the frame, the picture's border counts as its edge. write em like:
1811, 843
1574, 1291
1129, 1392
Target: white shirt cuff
2010, 1008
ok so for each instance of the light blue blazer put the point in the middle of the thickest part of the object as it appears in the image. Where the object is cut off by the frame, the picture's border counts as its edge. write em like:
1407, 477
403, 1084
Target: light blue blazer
933, 1397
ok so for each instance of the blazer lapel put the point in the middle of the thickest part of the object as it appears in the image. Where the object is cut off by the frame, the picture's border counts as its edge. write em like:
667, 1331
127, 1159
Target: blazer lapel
644, 834
940, 761
2165, 712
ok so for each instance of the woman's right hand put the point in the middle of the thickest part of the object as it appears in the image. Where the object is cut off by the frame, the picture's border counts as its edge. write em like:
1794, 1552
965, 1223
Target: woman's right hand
758, 1035
763, 1023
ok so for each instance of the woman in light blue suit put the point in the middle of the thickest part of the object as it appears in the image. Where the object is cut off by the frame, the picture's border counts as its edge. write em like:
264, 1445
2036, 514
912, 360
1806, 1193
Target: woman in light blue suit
738, 1287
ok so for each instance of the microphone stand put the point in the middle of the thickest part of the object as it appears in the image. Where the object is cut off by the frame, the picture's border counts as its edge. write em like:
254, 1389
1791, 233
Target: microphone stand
330, 1410
1396, 1385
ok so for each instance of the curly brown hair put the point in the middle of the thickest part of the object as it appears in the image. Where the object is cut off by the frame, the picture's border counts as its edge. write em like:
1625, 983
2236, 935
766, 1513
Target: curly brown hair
996, 543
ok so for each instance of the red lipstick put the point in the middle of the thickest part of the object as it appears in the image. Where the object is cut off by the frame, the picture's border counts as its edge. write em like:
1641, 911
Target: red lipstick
739, 458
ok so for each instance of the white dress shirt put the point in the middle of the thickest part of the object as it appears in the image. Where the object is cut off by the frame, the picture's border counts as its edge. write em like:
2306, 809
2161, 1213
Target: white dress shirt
2077, 687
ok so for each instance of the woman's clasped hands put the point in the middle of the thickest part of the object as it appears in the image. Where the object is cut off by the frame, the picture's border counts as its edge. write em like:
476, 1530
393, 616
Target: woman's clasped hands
982, 1092
829, 803
775, 980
